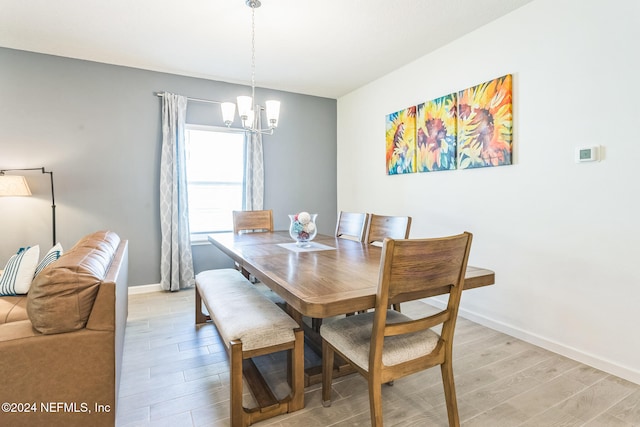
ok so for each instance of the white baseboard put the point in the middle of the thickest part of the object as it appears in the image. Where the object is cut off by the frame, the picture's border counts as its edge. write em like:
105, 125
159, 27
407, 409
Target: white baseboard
597, 362
144, 289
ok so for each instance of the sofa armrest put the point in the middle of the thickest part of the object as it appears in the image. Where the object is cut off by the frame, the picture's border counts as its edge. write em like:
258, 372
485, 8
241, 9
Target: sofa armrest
112, 295
102, 317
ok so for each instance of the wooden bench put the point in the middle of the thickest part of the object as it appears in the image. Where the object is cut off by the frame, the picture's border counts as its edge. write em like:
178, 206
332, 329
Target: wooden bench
251, 325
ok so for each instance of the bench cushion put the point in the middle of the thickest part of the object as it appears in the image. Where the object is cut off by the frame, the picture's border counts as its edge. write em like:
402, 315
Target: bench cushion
241, 312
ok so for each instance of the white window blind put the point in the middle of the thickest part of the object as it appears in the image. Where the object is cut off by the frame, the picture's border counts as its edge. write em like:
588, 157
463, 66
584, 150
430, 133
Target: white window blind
215, 161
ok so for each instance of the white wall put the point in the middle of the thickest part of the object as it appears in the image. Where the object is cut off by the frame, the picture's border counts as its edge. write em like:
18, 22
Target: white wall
562, 237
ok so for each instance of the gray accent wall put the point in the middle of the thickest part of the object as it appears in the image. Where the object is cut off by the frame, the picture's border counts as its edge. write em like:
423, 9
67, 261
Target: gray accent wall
97, 127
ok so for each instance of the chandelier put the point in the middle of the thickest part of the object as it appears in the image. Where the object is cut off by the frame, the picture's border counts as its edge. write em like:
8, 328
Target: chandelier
246, 108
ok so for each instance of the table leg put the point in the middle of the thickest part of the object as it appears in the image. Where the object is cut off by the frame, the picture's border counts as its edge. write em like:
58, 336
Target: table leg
312, 338
313, 374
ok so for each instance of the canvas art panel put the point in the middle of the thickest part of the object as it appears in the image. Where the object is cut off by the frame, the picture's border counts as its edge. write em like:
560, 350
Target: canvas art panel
485, 124
436, 134
401, 141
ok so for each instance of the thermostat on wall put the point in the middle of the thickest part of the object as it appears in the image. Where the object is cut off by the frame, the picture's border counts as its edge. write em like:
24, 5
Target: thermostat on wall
587, 154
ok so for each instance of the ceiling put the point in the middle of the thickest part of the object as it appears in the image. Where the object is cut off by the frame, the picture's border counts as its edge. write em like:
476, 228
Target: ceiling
324, 48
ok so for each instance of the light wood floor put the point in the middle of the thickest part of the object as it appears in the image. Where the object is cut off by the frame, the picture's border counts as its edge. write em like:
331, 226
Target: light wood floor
176, 374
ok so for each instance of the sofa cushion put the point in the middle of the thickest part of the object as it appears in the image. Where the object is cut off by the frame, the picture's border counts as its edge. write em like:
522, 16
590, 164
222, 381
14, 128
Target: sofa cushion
13, 309
62, 295
18, 273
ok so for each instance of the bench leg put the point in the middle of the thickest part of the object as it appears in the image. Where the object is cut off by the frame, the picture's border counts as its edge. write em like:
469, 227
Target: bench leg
296, 372
200, 316
235, 362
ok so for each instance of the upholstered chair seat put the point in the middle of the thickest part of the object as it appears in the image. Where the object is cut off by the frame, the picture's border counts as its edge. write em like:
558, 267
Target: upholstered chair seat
351, 336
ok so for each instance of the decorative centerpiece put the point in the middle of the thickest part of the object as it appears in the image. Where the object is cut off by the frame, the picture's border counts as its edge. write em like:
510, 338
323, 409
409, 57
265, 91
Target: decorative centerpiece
303, 228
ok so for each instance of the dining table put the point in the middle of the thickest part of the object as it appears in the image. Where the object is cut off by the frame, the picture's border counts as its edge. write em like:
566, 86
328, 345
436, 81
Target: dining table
330, 277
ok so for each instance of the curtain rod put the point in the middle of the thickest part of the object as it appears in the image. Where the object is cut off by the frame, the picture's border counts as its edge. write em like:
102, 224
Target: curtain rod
208, 101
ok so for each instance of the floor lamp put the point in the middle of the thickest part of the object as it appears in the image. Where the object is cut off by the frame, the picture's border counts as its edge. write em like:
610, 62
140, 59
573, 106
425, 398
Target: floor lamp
16, 185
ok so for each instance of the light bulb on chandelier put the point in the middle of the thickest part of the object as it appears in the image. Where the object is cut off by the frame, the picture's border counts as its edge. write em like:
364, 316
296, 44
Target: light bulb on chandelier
246, 103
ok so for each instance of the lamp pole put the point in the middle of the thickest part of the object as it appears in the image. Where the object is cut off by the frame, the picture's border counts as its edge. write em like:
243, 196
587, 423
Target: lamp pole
53, 198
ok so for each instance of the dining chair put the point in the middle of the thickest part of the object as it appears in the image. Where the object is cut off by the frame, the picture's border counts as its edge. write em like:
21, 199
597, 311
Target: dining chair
381, 226
384, 345
352, 225
252, 221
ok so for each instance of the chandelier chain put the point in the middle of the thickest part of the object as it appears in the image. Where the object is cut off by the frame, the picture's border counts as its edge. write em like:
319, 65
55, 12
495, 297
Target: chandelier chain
253, 53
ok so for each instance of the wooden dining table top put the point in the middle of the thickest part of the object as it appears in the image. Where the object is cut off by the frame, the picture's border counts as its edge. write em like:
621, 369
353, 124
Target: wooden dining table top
318, 283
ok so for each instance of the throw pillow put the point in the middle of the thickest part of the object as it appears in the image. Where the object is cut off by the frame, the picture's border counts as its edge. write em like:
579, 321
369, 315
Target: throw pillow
18, 273
53, 254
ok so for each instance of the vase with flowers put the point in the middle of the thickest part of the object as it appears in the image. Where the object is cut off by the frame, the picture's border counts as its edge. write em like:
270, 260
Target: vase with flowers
303, 228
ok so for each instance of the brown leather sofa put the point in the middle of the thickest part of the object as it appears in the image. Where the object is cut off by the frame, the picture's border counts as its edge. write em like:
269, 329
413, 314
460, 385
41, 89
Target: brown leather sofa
61, 345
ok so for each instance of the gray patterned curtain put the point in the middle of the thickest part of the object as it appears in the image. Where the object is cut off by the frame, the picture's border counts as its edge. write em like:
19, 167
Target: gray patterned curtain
176, 262
254, 169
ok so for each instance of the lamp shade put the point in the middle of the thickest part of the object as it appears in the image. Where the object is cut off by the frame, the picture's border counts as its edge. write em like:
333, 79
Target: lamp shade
244, 106
228, 112
273, 112
248, 120
14, 185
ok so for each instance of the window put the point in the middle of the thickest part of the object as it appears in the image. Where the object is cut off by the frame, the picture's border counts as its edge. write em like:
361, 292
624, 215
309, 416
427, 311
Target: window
215, 164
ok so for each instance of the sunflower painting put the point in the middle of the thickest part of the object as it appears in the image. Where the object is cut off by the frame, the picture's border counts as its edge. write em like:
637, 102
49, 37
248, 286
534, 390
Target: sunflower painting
436, 134
401, 141
485, 124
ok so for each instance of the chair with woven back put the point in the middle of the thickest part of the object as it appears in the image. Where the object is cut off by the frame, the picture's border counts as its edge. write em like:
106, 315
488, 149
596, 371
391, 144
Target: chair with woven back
382, 226
252, 222
352, 225
384, 345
